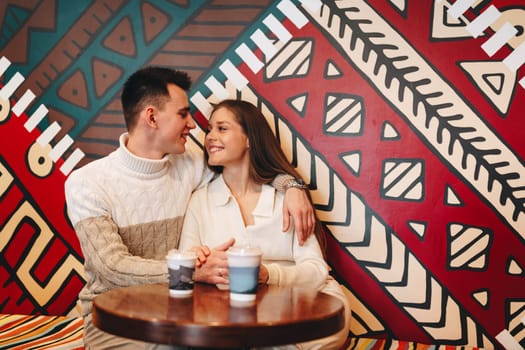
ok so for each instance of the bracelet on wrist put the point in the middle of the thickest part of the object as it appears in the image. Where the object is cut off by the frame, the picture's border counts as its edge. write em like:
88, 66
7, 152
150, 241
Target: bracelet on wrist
295, 183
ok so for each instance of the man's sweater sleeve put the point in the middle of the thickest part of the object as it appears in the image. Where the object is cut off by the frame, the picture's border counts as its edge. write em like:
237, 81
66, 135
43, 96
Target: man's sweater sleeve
106, 256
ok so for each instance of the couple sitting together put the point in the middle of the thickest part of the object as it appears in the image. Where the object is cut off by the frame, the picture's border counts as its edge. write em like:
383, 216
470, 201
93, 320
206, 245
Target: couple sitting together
154, 194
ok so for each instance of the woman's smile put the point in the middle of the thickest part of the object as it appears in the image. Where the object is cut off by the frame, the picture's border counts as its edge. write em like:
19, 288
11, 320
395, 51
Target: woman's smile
214, 149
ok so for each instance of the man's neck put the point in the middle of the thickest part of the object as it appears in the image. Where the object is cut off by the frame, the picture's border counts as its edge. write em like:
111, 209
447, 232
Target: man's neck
142, 148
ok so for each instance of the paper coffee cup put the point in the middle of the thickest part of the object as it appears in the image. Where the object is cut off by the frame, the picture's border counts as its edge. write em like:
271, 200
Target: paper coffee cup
181, 266
243, 270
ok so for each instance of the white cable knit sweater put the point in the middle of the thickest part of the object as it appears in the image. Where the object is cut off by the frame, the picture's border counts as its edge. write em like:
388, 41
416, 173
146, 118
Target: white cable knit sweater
128, 212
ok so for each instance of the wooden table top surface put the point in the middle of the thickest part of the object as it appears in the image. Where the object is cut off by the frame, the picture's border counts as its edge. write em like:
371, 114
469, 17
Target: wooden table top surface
281, 315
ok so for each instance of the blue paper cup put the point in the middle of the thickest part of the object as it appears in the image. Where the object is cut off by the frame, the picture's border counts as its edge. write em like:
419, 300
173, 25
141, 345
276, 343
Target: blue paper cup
243, 269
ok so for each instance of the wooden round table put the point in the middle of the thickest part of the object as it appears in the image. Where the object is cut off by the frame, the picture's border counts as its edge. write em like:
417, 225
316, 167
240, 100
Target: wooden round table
280, 316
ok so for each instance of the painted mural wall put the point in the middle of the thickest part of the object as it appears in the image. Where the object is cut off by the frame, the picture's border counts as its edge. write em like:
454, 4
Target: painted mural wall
405, 116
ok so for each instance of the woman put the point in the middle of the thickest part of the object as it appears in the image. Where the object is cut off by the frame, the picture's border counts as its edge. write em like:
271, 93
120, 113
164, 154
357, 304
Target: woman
239, 203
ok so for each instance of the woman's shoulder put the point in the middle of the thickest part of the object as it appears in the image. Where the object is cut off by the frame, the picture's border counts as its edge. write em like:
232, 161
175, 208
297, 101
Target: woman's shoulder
206, 189
269, 191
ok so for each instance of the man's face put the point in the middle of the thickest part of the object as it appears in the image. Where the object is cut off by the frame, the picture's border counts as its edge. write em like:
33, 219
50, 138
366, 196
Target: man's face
174, 121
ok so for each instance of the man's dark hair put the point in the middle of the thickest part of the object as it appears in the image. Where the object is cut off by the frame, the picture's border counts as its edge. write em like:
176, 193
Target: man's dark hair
149, 86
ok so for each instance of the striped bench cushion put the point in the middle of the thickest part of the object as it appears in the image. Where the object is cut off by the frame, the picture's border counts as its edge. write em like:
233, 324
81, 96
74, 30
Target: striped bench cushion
25, 332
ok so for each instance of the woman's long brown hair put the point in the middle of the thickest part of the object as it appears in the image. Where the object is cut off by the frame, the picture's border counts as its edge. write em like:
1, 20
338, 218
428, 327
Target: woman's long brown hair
267, 159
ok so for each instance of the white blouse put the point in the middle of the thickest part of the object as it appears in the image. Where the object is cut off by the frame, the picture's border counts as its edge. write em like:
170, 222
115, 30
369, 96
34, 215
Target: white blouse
213, 216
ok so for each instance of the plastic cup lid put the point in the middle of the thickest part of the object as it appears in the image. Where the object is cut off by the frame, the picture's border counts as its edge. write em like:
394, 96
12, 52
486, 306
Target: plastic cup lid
175, 254
247, 250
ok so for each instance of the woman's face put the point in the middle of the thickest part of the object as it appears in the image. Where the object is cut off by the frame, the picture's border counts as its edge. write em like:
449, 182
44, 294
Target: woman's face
226, 142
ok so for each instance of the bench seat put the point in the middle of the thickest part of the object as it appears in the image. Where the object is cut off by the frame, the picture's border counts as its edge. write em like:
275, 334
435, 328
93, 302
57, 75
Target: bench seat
22, 332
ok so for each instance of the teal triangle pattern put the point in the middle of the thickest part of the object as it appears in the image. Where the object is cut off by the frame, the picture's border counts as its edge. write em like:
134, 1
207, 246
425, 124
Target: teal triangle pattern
13, 19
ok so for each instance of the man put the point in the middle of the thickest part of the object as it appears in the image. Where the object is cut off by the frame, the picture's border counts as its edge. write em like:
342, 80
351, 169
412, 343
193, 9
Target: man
128, 207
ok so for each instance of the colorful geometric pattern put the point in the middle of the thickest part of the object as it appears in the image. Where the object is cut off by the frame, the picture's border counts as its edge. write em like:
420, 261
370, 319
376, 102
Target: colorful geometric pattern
22, 332
404, 117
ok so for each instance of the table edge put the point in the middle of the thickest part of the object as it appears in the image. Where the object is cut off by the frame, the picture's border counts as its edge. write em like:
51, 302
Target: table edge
204, 335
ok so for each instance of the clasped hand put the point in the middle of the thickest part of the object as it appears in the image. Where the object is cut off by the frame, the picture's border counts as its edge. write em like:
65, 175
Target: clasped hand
212, 264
